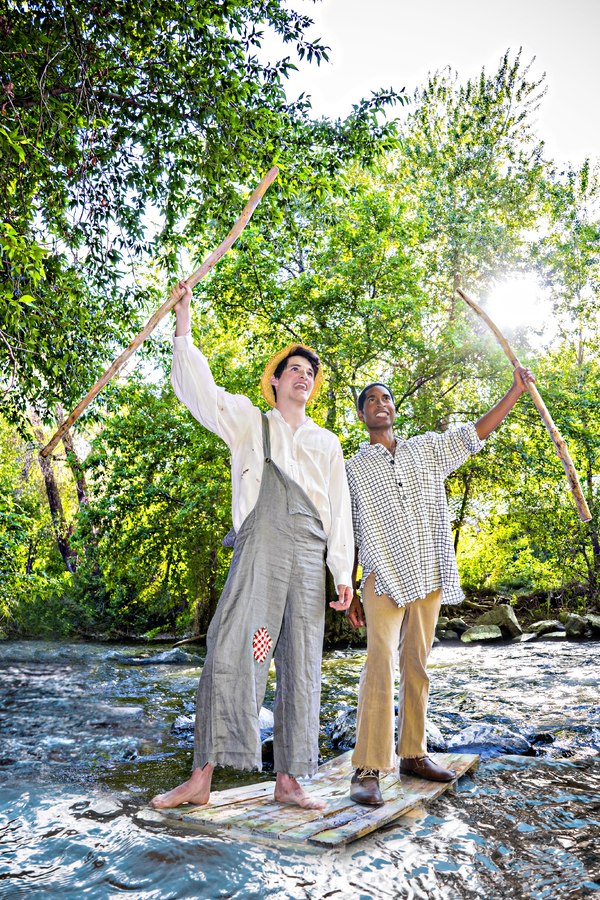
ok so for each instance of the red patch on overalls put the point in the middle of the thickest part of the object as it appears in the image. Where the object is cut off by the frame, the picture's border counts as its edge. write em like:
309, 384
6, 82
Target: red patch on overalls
261, 644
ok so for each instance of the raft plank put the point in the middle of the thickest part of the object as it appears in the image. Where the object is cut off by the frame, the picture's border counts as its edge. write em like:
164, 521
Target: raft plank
251, 810
414, 791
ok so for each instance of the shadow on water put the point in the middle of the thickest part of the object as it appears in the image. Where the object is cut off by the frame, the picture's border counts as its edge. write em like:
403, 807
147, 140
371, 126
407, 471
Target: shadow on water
87, 739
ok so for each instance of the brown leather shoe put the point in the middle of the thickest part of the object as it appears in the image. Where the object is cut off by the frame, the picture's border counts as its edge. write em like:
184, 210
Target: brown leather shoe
424, 767
364, 787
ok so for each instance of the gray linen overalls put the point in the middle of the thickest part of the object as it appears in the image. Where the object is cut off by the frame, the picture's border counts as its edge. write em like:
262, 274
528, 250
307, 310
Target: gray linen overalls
273, 604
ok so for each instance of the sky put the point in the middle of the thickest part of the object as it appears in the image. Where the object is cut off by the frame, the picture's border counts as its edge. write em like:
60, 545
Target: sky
392, 43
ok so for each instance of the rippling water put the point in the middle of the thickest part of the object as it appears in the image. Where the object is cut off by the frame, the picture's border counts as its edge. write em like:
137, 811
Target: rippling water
86, 741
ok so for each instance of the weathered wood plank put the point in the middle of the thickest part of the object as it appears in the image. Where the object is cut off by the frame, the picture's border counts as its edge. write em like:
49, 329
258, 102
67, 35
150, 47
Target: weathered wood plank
401, 797
252, 811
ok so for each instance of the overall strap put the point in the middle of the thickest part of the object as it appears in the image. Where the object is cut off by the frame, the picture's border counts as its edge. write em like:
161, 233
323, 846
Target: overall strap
266, 438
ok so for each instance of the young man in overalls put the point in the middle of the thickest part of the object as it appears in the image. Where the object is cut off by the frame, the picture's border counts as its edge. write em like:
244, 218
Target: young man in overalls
291, 509
404, 544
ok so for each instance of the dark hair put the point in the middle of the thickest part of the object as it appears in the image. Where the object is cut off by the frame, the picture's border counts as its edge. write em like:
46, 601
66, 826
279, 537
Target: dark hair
363, 394
298, 351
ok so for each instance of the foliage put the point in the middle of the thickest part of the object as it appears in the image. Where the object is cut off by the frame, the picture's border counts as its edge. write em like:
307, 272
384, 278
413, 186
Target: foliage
114, 117
32, 577
158, 507
359, 257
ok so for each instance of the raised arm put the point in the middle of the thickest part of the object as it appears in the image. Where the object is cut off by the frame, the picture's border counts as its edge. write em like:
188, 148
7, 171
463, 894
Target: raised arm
496, 415
225, 414
182, 308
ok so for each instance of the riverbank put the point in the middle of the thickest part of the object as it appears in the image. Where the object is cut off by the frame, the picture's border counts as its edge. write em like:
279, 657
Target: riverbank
530, 609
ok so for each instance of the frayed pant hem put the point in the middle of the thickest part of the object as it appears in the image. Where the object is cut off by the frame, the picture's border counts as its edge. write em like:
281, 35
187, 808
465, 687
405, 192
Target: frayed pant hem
229, 760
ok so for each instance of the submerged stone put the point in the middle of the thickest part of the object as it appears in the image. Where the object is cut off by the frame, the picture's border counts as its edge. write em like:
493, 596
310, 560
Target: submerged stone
174, 657
543, 737
489, 740
436, 742
343, 733
343, 730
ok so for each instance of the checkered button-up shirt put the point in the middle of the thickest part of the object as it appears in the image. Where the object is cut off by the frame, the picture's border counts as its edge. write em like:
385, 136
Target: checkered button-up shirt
400, 513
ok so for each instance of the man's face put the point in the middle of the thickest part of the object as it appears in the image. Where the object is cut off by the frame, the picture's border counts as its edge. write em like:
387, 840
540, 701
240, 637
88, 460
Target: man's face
296, 381
378, 410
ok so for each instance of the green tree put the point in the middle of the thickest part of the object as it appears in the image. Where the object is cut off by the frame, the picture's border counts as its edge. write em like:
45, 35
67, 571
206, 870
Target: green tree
158, 508
33, 580
568, 258
115, 117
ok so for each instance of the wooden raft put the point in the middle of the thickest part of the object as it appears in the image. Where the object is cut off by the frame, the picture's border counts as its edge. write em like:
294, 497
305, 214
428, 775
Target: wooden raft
251, 812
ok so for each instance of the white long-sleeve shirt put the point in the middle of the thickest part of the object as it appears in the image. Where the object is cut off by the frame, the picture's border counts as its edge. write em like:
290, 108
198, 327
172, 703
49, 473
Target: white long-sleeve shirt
311, 455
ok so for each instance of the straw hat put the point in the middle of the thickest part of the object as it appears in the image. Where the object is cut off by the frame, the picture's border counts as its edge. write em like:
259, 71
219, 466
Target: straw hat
265, 382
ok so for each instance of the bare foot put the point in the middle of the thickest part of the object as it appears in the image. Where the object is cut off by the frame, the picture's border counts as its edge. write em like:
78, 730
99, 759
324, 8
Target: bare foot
287, 790
195, 790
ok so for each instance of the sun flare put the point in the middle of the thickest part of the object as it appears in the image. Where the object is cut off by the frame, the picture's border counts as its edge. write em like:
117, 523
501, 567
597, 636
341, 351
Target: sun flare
517, 302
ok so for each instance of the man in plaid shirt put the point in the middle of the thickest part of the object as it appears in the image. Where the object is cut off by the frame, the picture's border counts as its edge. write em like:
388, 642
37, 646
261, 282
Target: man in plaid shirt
404, 545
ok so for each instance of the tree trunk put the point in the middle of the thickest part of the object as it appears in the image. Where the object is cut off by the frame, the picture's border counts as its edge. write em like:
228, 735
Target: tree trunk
61, 530
331, 418
73, 461
466, 479
206, 606
30, 556
593, 526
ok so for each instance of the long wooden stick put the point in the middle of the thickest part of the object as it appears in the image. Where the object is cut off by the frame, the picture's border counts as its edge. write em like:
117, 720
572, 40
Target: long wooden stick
160, 313
558, 440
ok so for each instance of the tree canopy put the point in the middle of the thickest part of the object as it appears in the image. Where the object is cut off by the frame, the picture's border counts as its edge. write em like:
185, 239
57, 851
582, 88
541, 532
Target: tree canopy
130, 135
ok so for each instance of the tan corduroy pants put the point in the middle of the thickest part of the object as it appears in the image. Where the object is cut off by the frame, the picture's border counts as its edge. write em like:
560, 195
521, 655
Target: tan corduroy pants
403, 633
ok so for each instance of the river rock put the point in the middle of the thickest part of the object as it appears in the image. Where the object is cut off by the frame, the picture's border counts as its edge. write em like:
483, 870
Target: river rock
110, 711
546, 626
457, 625
525, 638
504, 617
343, 733
575, 626
449, 635
593, 623
489, 740
183, 727
542, 738
103, 809
343, 730
173, 657
481, 633
266, 720
436, 742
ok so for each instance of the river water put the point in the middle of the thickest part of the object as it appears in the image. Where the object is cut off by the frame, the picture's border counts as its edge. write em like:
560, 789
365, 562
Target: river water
86, 740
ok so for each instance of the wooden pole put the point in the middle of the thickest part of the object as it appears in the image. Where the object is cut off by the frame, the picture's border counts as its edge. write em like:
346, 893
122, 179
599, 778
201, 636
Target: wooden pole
160, 313
558, 440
